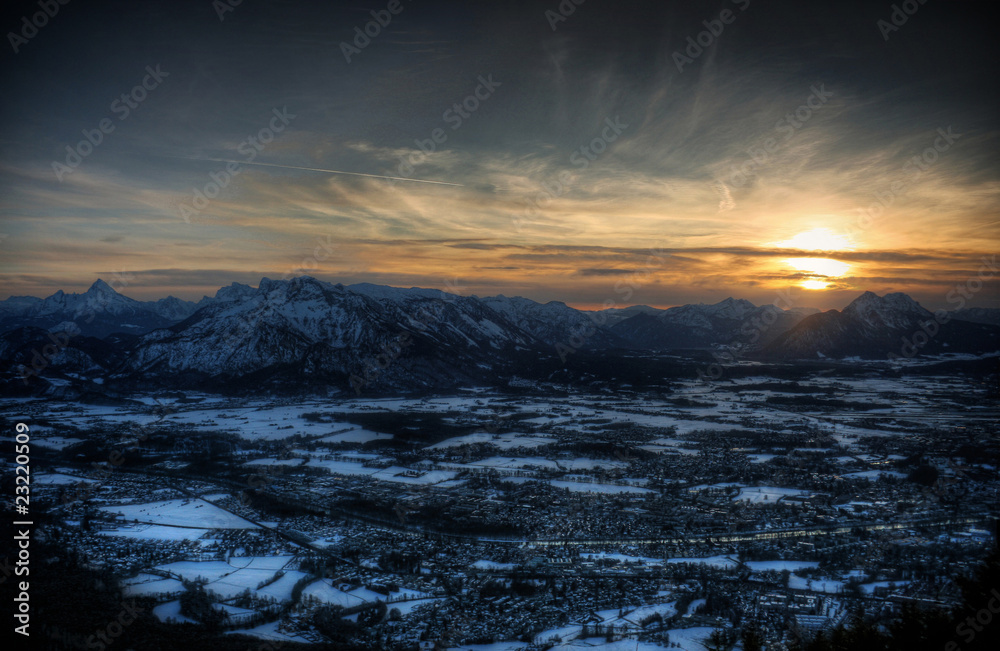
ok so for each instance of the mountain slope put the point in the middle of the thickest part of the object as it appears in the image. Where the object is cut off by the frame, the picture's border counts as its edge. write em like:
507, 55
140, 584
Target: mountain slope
876, 327
305, 328
729, 322
97, 312
555, 323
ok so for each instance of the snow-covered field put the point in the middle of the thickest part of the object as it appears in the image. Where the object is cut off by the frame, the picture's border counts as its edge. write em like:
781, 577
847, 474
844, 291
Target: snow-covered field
151, 585
171, 612
356, 436
229, 579
347, 596
156, 532
181, 513
397, 474
502, 441
766, 494
58, 479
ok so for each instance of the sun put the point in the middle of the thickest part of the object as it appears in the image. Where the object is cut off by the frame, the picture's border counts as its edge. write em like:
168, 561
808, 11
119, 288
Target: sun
821, 269
820, 266
817, 239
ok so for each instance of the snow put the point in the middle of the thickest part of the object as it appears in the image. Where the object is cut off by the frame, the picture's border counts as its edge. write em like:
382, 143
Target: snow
60, 479
623, 558
181, 513
503, 441
778, 566
151, 585
829, 586
407, 607
869, 588
874, 474
56, 442
694, 606
276, 462
493, 565
690, 639
155, 532
356, 436
268, 631
324, 591
664, 609
582, 487
723, 562
397, 474
766, 494
281, 590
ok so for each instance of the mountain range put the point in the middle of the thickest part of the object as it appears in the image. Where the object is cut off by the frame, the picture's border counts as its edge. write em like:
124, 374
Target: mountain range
303, 331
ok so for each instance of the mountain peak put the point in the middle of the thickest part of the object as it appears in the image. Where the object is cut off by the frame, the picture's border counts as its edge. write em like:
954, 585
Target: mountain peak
101, 287
742, 302
233, 292
892, 310
734, 308
893, 301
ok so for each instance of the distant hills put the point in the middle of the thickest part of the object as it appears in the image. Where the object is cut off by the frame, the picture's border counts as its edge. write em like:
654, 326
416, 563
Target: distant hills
289, 332
891, 326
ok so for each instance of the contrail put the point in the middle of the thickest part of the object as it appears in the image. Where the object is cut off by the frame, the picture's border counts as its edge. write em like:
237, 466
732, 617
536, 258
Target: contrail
316, 169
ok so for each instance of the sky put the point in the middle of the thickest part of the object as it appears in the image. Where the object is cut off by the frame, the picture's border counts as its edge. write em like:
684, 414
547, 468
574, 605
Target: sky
601, 154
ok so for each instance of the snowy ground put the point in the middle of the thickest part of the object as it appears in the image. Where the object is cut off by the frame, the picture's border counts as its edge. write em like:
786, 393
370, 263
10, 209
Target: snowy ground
181, 513
766, 494
156, 532
502, 441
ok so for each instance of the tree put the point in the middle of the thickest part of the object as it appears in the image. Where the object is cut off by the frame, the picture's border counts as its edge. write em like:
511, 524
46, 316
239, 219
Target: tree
752, 639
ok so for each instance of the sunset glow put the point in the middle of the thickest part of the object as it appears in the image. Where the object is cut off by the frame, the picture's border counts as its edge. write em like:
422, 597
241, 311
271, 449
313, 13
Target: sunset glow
574, 176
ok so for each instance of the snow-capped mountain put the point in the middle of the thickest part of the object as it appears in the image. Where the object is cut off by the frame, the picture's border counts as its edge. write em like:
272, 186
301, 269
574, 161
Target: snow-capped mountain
101, 310
173, 309
300, 332
306, 328
979, 315
732, 321
615, 314
233, 293
97, 312
880, 313
555, 322
875, 326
